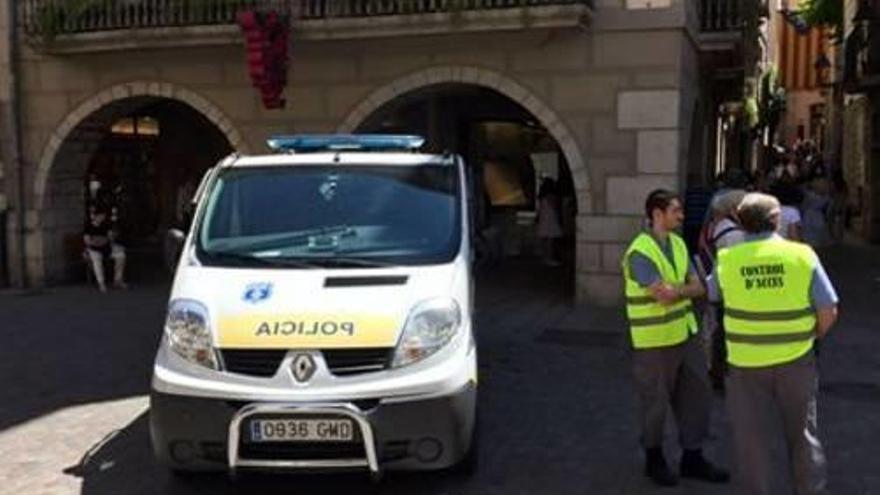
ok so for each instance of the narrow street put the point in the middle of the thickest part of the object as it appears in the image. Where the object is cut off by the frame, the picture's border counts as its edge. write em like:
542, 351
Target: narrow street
555, 396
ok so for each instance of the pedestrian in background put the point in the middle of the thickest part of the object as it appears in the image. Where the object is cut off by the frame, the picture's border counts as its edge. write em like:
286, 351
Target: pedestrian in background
99, 240
669, 367
777, 301
838, 215
790, 197
726, 231
722, 232
815, 207
549, 227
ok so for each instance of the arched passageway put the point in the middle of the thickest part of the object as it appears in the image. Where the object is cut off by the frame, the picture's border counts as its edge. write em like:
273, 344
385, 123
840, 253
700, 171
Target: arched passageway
147, 153
524, 192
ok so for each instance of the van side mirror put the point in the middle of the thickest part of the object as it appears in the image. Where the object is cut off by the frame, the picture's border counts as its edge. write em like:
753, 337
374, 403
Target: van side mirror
176, 236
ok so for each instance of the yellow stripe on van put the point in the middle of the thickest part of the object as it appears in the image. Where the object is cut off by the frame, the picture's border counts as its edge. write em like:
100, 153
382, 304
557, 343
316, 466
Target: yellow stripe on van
307, 331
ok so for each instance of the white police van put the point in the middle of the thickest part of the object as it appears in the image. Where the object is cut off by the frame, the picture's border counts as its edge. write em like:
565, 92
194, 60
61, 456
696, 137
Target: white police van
321, 313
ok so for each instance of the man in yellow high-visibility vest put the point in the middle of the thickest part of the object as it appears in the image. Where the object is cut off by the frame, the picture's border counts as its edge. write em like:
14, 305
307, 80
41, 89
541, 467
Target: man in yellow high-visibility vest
777, 301
669, 366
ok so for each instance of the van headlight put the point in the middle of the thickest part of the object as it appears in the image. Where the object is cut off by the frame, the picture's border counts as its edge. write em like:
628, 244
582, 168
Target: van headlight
186, 329
431, 325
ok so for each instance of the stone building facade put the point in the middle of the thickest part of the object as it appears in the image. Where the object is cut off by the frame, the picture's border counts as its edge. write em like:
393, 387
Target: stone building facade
861, 126
617, 83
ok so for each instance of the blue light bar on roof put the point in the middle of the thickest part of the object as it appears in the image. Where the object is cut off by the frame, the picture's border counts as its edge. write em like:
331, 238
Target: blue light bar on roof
311, 143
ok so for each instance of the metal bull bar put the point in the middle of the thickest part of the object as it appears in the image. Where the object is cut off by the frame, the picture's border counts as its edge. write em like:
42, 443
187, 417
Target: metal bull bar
295, 410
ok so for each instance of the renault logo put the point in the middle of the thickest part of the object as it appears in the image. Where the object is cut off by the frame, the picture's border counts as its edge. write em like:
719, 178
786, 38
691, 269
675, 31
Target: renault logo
303, 367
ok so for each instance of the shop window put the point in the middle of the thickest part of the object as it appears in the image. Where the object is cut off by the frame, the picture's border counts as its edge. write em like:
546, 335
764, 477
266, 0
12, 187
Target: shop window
136, 126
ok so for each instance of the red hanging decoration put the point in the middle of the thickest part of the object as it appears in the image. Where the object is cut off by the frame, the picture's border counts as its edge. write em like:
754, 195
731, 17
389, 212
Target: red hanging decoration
266, 36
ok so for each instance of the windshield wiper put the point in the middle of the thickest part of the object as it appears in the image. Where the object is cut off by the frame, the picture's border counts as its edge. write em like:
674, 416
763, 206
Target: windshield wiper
303, 237
273, 261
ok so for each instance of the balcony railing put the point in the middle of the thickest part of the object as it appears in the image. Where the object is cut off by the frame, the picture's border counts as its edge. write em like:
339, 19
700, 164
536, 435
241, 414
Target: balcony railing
721, 15
48, 18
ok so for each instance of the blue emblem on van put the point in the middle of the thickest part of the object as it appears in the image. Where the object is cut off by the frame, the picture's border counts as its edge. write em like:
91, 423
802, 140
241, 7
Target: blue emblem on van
257, 292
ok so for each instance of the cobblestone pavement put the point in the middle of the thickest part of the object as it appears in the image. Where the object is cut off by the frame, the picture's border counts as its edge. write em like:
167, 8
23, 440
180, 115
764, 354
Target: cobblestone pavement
555, 395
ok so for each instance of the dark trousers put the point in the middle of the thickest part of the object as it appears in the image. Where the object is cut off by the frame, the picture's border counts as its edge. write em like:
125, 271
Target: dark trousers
673, 376
718, 350
762, 400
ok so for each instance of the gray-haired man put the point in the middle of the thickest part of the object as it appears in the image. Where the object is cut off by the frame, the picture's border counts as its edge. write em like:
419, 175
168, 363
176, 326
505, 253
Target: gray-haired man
777, 302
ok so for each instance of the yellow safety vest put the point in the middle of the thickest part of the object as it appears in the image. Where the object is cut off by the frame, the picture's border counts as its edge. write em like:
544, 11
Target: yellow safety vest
652, 324
768, 317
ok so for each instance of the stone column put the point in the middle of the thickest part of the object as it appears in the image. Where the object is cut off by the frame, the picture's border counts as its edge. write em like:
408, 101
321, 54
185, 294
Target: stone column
6, 142
654, 116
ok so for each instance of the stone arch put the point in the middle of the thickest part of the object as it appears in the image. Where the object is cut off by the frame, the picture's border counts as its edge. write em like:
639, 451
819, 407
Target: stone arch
501, 83
122, 92
42, 221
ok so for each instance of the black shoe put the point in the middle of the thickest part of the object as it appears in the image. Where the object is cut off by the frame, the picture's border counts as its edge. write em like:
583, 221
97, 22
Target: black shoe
657, 469
694, 465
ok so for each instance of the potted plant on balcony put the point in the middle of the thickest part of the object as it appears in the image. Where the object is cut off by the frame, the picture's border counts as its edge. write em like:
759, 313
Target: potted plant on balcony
454, 8
821, 12
54, 18
763, 108
215, 11
49, 20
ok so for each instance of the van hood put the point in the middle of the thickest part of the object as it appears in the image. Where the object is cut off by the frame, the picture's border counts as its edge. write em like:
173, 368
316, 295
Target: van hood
311, 308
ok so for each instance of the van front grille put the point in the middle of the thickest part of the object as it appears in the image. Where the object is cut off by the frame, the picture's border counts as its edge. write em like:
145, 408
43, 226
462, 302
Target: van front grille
253, 362
347, 362
340, 362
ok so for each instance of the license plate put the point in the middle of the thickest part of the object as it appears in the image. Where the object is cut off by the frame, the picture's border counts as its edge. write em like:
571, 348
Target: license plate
302, 430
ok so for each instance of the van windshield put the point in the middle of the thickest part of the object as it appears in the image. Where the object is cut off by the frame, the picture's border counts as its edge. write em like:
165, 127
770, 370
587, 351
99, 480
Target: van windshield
332, 216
